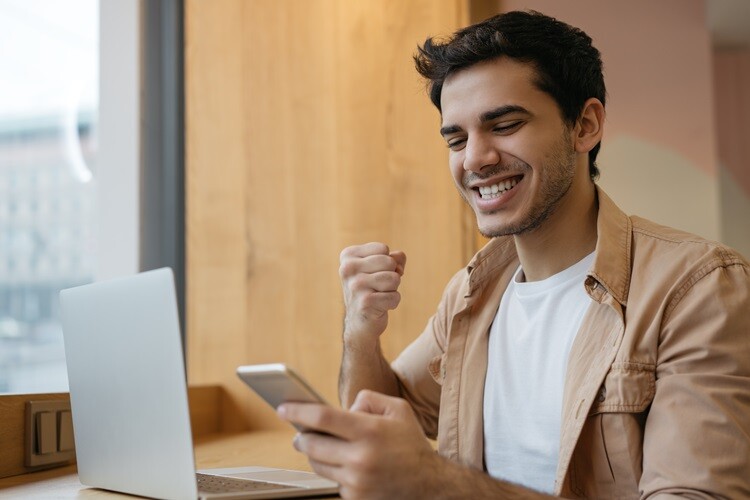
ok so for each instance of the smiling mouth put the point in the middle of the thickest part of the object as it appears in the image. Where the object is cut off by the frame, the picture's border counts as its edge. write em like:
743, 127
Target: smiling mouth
496, 190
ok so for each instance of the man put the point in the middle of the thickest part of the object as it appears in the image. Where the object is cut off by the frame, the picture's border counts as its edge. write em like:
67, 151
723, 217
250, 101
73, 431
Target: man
582, 352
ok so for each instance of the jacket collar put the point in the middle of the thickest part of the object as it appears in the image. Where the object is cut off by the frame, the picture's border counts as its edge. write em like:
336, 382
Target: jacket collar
612, 264
497, 254
611, 267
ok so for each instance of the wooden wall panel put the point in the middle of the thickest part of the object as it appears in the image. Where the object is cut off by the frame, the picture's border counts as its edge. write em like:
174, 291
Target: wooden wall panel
215, 197
308, 130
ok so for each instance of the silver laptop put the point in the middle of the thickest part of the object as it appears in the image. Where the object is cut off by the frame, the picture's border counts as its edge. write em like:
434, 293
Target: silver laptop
129, 399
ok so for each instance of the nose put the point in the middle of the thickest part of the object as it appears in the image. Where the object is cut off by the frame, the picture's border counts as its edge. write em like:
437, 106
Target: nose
479, 153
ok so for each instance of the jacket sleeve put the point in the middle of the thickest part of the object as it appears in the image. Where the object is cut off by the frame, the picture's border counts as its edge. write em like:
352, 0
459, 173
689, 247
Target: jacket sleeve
417, 368
697, 434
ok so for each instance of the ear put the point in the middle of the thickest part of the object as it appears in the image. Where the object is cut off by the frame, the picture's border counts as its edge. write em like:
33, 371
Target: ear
590, 126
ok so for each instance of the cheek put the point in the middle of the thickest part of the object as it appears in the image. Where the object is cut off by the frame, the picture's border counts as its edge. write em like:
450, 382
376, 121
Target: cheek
532, 145
521, 149
455, 163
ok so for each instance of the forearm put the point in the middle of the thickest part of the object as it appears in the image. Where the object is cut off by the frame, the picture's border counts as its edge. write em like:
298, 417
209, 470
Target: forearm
363, 366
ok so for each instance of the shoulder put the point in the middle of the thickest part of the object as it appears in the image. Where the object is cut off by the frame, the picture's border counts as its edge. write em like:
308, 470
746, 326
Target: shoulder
668, 247
673, 262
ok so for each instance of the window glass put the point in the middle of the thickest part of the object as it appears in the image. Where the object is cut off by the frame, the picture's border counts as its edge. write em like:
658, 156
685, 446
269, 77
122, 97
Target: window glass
48, 123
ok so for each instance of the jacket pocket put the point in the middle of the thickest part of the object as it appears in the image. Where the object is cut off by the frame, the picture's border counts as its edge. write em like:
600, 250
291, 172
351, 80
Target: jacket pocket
607, 462
628, 387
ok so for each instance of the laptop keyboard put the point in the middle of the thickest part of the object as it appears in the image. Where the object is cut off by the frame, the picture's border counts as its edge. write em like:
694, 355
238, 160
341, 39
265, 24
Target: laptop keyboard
209, 483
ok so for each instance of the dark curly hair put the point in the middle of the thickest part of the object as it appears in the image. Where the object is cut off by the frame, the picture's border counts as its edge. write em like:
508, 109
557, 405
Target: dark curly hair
568, 67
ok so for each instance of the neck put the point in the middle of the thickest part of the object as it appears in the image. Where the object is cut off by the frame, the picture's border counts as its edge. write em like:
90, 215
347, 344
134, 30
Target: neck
566, 237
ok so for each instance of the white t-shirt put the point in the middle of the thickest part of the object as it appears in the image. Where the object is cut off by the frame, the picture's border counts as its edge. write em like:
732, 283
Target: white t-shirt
529, 343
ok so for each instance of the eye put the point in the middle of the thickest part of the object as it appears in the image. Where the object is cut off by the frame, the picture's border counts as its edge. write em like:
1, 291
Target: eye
506, 127
456, 144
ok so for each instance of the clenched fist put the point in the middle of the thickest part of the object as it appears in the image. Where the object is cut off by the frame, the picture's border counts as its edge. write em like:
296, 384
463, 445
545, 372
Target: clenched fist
370, 276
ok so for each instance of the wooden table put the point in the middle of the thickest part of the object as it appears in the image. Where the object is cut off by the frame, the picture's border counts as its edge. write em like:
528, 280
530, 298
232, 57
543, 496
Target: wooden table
266, 448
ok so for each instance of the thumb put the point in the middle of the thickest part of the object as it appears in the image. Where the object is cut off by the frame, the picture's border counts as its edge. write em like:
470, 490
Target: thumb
400, 258
376, 403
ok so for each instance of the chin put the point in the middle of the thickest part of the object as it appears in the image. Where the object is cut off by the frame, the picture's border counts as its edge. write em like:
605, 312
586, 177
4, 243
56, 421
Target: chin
494, 233
499, 222
494, 230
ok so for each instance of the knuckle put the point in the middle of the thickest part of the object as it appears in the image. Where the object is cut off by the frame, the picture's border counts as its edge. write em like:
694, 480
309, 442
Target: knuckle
388, 279
352, 251
321, 418
364, 396
378, 247
395, 279
358, 282
363, 462
347, 268
344, 254
387, 263
300, 444
395, 299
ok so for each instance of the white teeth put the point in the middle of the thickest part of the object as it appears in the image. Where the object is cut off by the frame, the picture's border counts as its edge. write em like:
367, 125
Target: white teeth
495, 190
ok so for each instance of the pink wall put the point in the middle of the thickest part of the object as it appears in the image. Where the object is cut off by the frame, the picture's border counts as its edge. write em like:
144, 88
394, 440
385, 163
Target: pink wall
732, 97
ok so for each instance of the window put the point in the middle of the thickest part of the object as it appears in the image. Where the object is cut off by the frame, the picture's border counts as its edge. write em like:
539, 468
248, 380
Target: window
91, 163
48, 150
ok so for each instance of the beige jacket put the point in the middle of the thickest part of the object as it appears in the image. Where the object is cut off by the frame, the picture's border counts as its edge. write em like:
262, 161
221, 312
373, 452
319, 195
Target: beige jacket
657, 393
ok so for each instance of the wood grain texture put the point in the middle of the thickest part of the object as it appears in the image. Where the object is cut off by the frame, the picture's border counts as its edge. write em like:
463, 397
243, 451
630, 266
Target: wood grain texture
266, 448
215, 196
308, 130
12, 425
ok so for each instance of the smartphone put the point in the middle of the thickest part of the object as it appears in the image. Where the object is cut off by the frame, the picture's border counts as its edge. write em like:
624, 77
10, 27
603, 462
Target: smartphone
277, 383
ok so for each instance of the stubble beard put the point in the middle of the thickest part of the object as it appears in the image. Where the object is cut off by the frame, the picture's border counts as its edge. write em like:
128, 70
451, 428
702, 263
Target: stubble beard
559, 171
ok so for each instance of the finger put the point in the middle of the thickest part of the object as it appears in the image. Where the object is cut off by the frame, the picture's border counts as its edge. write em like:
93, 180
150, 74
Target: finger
379, 302
400, 258
380, 404
381, 281
332, 472
370, 264
323, 418
322, 448
373, 248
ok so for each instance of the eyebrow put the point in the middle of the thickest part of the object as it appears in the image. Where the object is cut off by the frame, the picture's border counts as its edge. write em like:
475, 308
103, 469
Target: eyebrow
502, 111
493, 114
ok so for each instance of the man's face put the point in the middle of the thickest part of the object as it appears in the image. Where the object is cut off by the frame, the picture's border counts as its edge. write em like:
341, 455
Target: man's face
511, 154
